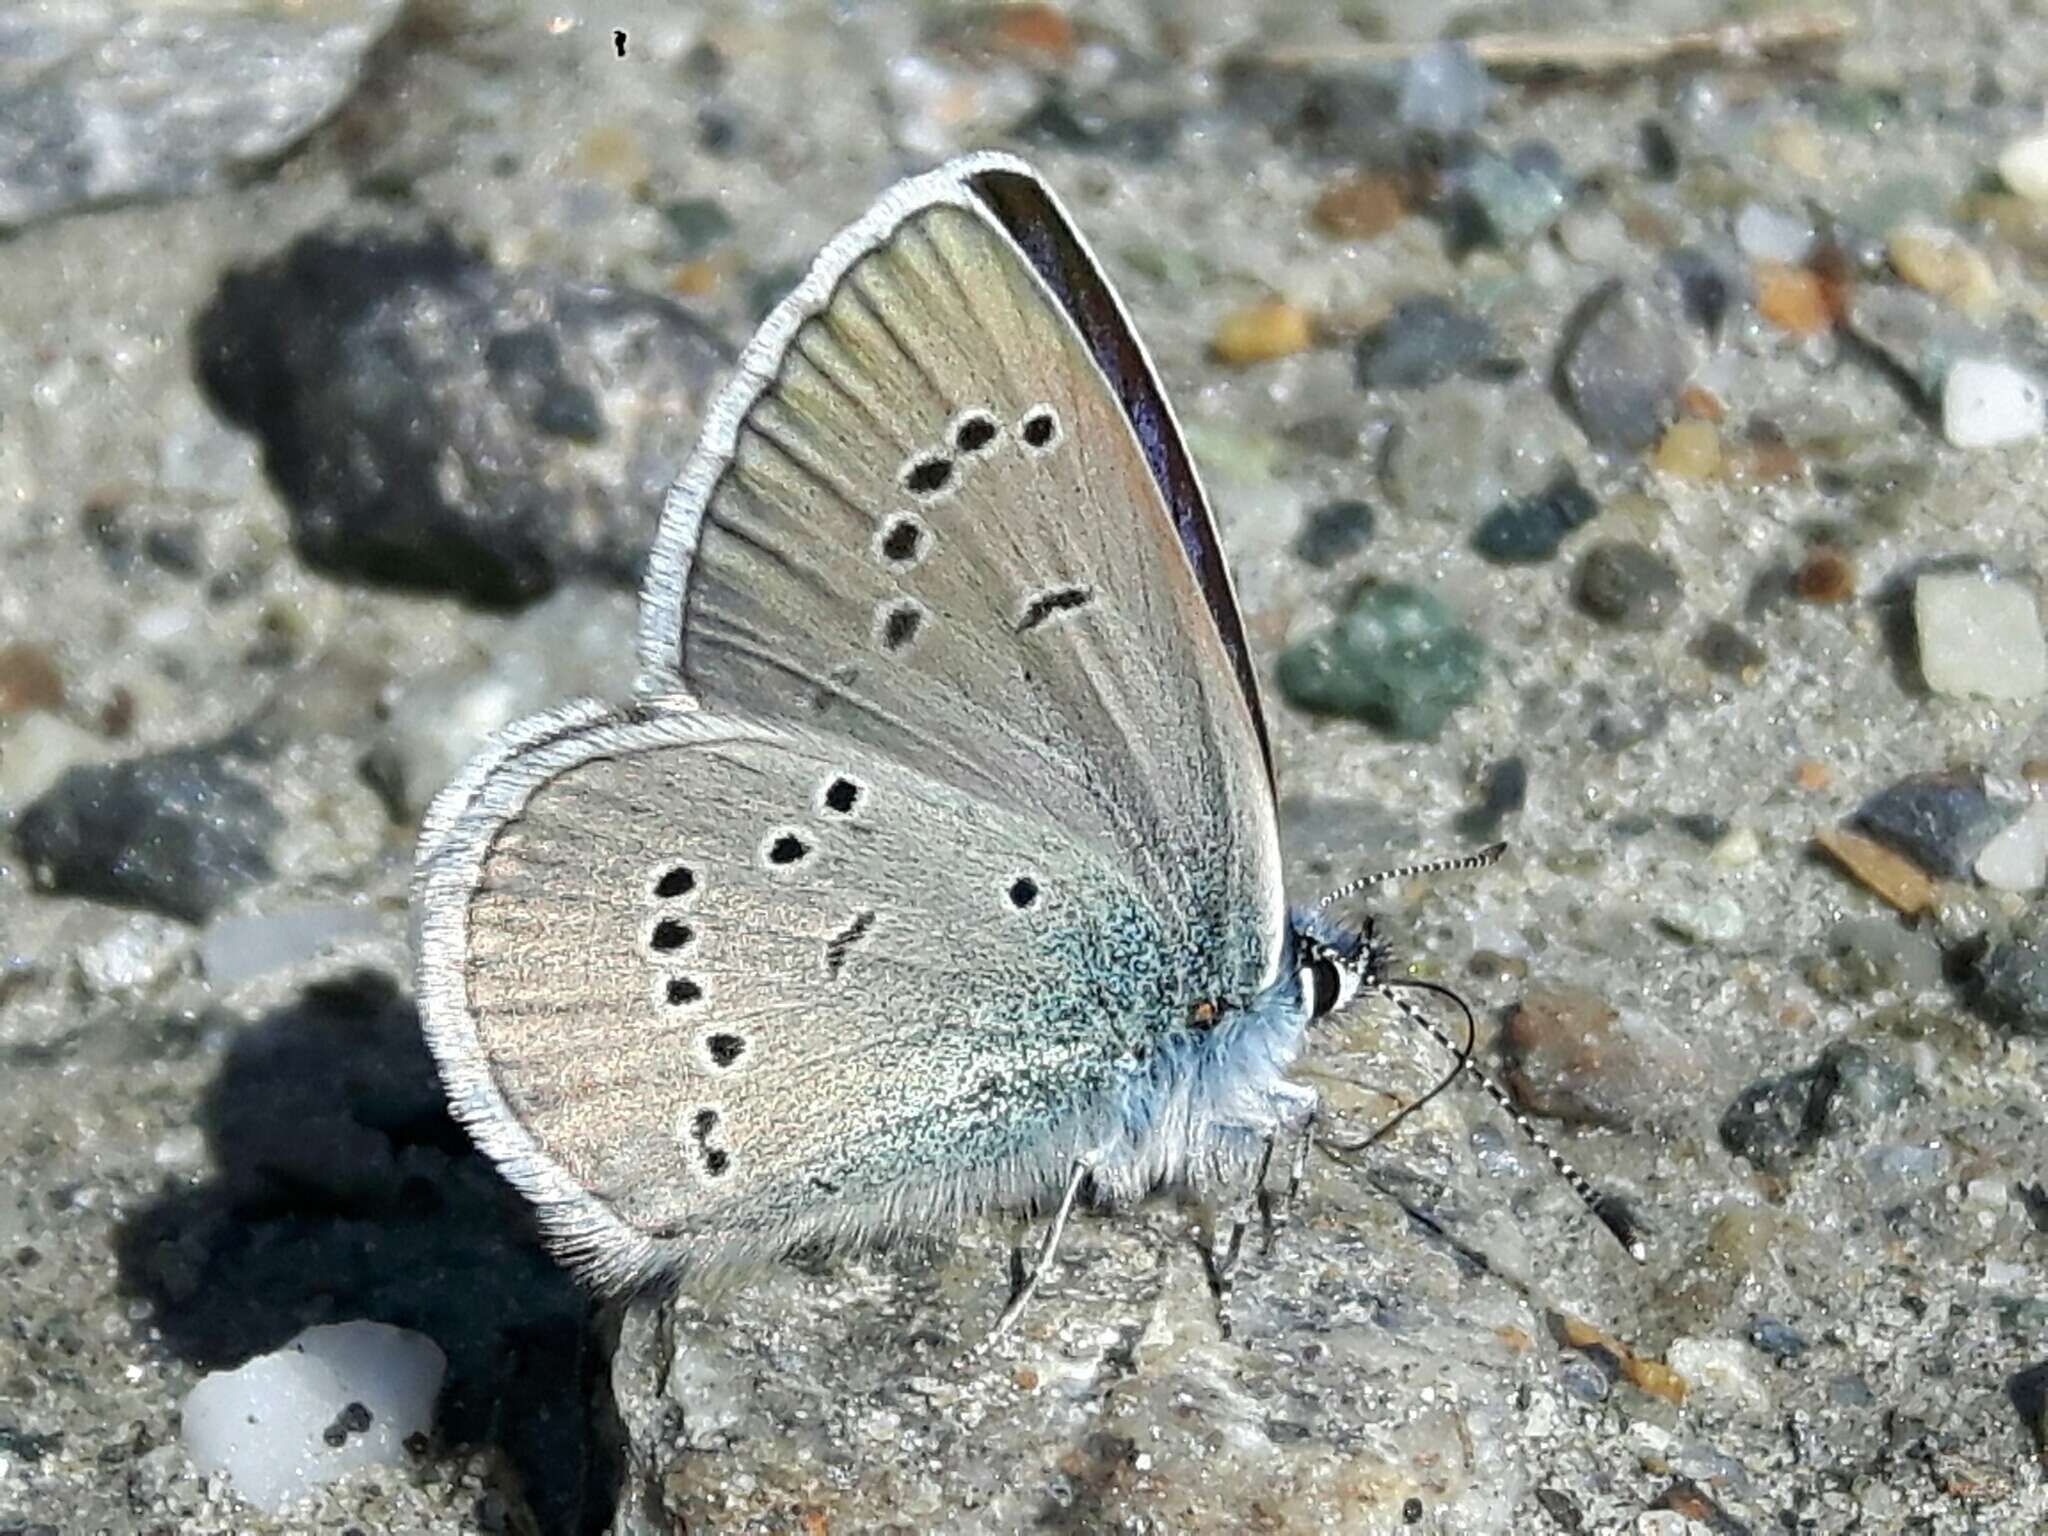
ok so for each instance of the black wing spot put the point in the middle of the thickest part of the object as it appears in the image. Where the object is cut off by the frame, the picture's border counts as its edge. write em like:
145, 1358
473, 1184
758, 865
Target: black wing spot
725, 1049
1040, 428
900, 625
1054, 600
670, 934
787, 849
1023, 892
928, 476
675, 882
841, 795
837, 946
902, 540
704, 1126
681, 992
975, 432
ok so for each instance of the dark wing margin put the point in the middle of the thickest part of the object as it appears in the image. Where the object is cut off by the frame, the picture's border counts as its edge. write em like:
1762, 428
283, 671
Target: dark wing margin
1021, 205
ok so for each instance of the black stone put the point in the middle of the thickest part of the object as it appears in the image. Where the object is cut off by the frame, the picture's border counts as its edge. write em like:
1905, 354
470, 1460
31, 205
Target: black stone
180, 832
1333, 532
1533, 528
416, 407
2009, 980
1780, 1120
1941, 821
1659, 149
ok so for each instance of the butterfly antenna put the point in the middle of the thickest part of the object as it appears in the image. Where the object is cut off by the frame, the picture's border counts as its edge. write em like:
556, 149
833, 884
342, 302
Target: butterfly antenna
1605, 1209
1479, 860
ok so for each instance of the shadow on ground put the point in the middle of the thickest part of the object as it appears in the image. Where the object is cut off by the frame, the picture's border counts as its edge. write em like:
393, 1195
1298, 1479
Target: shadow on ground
342, 1189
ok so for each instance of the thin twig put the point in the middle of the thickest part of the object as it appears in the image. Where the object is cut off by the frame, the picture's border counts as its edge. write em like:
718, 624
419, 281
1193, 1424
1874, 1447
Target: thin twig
1525, 53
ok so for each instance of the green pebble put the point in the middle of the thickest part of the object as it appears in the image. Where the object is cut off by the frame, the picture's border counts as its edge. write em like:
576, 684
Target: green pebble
1399, 660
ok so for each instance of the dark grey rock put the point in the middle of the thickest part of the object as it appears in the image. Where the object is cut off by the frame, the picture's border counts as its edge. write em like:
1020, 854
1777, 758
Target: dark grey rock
1658, 149
2009, 982
1427, 340
1333, 532
181, 833
134, 99
1780, 1120
371, 367
1533, 528
1721, 647
1627, 585
1621, 366
1941, 821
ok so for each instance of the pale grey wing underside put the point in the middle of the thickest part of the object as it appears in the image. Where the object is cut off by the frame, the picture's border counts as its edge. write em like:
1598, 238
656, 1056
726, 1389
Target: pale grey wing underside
705, 987
921, 518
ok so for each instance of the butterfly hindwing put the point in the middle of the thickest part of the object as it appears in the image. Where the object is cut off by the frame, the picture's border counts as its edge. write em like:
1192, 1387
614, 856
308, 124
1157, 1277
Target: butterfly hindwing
653, 944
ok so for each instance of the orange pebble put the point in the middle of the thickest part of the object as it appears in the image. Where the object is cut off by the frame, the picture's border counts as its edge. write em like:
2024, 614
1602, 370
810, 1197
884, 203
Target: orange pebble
1793, 299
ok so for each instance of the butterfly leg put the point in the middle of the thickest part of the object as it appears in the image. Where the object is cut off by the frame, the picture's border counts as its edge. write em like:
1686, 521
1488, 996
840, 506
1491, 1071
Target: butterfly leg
1222, 1267
1023, 1286
1277, 1213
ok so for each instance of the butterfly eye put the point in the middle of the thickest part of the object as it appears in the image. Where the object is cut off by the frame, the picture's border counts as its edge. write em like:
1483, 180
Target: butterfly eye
1322, 986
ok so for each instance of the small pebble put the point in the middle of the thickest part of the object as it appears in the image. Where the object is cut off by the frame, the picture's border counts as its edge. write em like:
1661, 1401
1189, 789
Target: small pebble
1985, 403
1979, 637
1659, 150
2009, 985
1704, 286
1033, 33
1738, 849
2023, 166
1764, 233
1506, 201
1426, 341
1941, 821
1360, 207
1623, 364
1595, 237
1792, 299
1722, 648
699, 225
1797, 146
1333, 532
1866, 955
1262, 332
1689, 450
1444, 90
1812, 775
29, 680
1826, 575
1533, 528
2017, 858
1627, 585
1398, 660
182, 833
1892, 876
1723, 1369
1943, 263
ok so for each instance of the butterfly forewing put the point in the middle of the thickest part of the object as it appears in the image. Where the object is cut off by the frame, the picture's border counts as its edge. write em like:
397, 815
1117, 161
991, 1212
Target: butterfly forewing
924, 520
738, 985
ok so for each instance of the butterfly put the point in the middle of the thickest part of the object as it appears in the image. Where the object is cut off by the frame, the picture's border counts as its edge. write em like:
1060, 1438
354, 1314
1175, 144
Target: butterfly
935, 867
